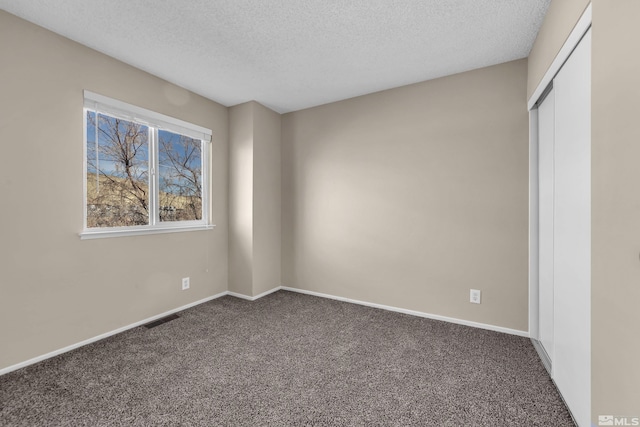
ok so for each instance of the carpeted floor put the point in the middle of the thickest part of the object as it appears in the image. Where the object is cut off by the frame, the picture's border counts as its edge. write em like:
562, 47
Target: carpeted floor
289, 359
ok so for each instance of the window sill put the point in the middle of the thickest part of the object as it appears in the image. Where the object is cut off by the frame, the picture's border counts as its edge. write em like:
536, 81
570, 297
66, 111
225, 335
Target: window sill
102, 233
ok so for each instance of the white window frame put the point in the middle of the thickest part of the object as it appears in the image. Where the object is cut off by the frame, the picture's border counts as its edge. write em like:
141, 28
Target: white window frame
155, 122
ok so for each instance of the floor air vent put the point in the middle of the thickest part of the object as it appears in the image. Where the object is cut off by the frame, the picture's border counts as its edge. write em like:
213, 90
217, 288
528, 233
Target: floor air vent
161, 321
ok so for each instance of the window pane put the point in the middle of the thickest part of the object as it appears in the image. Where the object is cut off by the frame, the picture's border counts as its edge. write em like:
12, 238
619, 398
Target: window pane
117, 172
180, 177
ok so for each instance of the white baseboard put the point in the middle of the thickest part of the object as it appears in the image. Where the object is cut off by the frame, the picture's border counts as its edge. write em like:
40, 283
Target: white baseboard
249, 298
414, 313
241, 296
544, 357
105, 335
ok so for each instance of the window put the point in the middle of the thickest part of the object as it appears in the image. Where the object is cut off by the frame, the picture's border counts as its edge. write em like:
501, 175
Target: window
144, 172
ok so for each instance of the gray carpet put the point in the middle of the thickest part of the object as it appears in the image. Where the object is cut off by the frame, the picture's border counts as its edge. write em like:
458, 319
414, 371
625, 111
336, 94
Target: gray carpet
289, 359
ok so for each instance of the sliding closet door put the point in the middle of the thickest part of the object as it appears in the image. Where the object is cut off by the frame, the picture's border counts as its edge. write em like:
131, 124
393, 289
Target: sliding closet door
546, 136
572, 232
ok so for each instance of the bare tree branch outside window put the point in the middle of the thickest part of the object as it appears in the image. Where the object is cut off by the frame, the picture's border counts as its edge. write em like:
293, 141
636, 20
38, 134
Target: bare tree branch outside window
118, 173
180, 177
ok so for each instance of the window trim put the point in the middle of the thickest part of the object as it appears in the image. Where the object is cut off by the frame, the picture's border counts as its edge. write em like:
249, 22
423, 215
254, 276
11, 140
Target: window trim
146, 117
156, 122
139, 230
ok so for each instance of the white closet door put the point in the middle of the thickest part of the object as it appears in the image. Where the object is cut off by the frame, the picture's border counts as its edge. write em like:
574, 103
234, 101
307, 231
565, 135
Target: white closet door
546, 136
572, 232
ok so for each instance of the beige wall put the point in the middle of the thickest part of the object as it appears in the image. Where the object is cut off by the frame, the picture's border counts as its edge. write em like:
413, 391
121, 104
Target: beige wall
407, 197
56, 290
412, 196
615, 322
254, 199
560, 19
266, 199
241, 199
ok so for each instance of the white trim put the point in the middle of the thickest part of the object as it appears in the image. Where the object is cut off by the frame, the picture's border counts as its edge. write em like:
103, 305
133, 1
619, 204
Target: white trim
153, 176
139, 114
154, 225
248, 298
84, 169
544, 357
533, 225
106, 335
241, 296
205, 160
583, 24
414, 313
386, 307
101, 233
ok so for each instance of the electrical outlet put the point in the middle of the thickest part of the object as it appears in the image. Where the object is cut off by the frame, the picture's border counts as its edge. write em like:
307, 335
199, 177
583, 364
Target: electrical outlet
185, 283
474, 296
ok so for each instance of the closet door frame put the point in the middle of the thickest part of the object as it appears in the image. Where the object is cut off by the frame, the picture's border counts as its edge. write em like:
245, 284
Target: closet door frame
546, 221
570, 44
582, 406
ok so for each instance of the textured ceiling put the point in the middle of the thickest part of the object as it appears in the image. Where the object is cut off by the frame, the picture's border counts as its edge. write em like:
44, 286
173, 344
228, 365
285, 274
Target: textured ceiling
294, 54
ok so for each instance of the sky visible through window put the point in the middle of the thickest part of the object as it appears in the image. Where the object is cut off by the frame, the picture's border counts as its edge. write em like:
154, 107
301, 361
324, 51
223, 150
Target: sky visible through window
180, 174
118, 165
